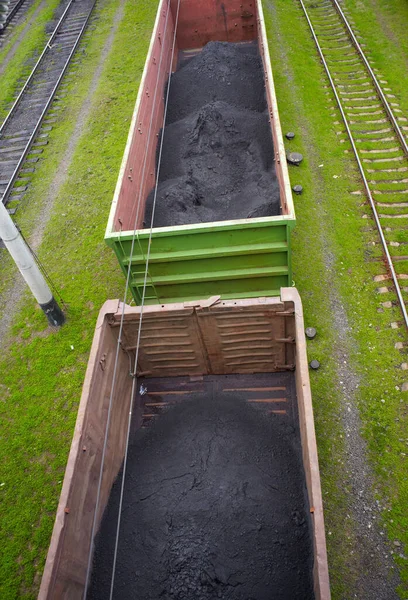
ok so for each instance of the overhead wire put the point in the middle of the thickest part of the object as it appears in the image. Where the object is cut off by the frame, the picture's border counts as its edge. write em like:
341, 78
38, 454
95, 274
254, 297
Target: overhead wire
43, 270
122, 489
119, 341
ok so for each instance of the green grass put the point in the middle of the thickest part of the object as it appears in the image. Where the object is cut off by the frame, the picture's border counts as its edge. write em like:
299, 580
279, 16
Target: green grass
42, 372
329, 221
382, 28
22, 62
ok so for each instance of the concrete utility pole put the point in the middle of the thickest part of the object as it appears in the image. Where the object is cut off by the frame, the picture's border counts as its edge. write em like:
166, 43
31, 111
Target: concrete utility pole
28, 268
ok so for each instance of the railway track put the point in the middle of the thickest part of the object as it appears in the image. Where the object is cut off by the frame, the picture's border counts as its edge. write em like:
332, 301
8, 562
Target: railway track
377, 131
19, 141
9, 11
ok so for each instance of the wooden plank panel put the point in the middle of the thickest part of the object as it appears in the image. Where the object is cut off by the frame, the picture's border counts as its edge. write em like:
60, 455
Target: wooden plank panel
227, 337
167, 344
244, 340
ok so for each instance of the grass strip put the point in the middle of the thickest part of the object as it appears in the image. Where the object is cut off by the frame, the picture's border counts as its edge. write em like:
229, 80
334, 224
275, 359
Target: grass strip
333, 249
42, 372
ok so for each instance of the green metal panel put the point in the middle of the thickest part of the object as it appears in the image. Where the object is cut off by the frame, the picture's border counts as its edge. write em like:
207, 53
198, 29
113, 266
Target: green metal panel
234, 259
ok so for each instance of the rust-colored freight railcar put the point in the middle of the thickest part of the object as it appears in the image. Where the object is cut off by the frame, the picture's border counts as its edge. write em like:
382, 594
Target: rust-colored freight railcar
214, 333
248, 337
241, 258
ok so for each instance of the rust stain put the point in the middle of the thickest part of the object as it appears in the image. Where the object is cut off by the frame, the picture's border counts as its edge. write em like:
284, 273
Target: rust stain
267, 400
224, 14
173, 392
256, 389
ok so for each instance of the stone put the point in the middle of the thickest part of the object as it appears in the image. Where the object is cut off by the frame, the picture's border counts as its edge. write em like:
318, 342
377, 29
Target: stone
310, 333
294, 158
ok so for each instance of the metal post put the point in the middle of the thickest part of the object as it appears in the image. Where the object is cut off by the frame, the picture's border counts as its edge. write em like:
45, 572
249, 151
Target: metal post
28, 268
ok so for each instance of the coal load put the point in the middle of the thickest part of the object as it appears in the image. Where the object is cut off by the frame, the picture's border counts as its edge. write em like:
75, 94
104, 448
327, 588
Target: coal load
217, 157
221, 71
214, 507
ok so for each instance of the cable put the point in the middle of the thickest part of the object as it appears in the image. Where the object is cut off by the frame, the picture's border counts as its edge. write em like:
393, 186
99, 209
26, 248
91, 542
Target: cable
43, 270
119, 341
141, 312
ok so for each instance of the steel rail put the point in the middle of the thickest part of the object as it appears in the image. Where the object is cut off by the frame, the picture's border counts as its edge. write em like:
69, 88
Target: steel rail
11, 14
360, 167
37, 127
34, 70
377, 85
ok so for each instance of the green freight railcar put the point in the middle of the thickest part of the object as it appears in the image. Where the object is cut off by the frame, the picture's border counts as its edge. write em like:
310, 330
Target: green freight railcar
241, 258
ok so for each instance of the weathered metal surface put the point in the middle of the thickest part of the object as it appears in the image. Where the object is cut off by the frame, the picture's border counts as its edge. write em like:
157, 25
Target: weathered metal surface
255, 325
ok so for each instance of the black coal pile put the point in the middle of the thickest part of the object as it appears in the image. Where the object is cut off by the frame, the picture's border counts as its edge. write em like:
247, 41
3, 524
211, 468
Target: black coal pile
217, 156
222, 71
214, 507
